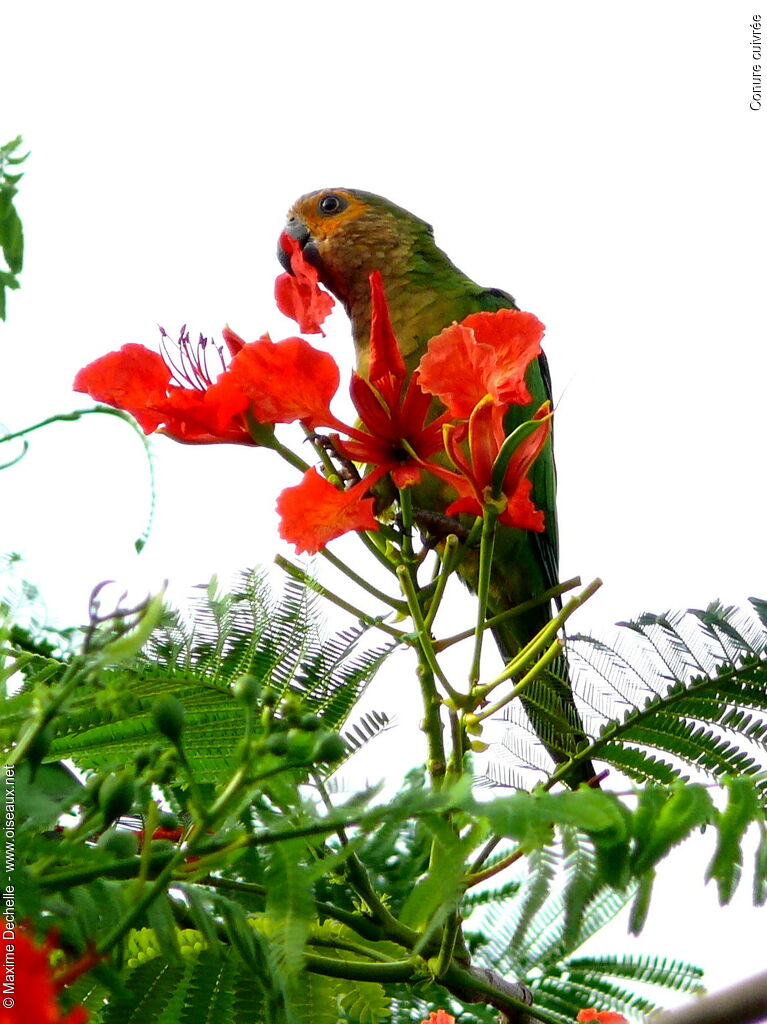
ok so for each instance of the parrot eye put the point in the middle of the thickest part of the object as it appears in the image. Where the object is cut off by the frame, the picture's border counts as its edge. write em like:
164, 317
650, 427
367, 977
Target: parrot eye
331, 204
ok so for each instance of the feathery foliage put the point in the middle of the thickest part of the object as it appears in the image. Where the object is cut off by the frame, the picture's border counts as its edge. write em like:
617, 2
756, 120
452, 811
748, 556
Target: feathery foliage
204, 852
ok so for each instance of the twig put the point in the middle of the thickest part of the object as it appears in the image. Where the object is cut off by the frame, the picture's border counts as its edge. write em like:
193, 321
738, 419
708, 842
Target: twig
744, 1003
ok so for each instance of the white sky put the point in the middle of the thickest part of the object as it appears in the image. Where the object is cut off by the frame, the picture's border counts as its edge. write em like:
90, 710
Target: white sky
598, 160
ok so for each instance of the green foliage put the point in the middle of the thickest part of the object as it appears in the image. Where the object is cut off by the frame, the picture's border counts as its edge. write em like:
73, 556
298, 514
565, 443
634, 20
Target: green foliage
11, 231
267, 899
676, 693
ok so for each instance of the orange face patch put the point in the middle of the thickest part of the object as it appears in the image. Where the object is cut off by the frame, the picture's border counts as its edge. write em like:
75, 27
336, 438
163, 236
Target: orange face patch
323, 224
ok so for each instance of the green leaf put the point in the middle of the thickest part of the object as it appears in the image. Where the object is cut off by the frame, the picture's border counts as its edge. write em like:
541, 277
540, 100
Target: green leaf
742, 807
12, 240
148, 991
760, 869
42, 802
594, 811
687, 807
366, 1002
641, 904
202, 917
242, 936
160, 917
441, 886
524, 817
290, 909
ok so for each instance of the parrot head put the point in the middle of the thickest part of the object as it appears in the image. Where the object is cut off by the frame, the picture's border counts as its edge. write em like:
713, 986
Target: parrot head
346, 234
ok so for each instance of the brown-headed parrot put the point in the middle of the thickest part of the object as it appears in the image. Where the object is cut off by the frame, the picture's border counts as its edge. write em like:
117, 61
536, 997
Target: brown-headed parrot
347, 234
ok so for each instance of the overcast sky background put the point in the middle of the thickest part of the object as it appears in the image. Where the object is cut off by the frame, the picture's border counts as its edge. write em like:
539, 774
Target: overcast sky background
599, 161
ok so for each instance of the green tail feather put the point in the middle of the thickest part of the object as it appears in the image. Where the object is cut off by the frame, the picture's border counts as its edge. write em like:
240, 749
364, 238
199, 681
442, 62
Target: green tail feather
548, 699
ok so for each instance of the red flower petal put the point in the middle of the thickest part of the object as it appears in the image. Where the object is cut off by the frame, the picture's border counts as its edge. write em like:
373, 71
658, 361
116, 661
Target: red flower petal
37, 986
439, 1017
299, 295
315, 512
407, 475
520, 510
528, 451
385, 356
286, 381
375, 416
605, 1016
207, 417
483, 444
454, 369
232, 341
486, 354
135, 379
515, 339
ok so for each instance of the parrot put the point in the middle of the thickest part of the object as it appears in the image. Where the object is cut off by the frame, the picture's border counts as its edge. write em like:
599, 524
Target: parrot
347, 234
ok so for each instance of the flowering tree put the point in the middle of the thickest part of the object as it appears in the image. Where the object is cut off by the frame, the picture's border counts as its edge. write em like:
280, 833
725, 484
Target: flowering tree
197, 864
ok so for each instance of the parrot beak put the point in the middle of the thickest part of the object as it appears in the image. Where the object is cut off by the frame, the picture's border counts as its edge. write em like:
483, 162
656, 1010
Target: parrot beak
296, 228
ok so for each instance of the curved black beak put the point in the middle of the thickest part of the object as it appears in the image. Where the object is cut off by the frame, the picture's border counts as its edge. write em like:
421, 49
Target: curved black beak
296, 228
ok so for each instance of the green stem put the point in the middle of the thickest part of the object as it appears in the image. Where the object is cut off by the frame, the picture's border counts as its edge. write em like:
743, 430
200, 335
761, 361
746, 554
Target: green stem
71, 417
510, 613
352, 970
364, 584
327, 462
486, 546
475, 877
446, 568
484, 853
148, 896
449, 938
455, 765
422, 631
432, 722
285, 453
539, 642
355, 869
368, 620
351, 947
104, 410
551, 653
64, 688
406, 510
363, 926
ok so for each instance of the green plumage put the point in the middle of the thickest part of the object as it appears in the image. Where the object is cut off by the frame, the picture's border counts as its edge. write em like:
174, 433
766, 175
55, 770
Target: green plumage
426, 292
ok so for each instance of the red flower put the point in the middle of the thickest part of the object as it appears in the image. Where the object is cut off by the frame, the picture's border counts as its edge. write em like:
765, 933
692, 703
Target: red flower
439, 1017
37, 984
286, 380
486, 354
298, 294
315, 512
396, 437
146, 385
486, 436
605, 1016
393, 437
281, 381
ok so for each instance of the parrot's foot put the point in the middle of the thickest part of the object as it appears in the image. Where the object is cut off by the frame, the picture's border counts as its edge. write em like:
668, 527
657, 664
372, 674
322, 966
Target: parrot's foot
436, 527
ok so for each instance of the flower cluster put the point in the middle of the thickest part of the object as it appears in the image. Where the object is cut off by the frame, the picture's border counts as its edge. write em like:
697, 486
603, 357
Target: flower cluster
475, 369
